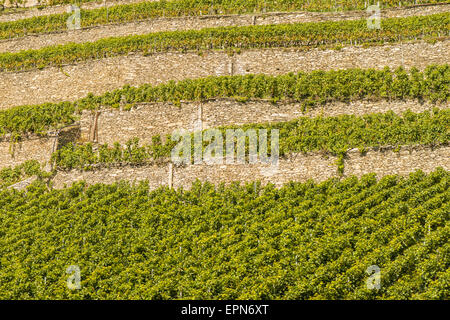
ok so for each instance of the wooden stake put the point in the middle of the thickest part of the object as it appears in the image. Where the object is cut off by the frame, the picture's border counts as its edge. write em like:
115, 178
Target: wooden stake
170, 175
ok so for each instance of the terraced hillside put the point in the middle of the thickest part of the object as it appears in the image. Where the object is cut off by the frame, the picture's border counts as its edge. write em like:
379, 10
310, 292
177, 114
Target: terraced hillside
351, 168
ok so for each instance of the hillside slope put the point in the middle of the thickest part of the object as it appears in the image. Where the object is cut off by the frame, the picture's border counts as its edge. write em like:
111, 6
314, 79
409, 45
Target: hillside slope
303, 241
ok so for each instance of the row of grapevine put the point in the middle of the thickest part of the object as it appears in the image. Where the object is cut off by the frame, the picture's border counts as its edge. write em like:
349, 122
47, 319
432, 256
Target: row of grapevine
11, 175
305, 35
302, 241
263, 5
149, 10
333, 135
310, 89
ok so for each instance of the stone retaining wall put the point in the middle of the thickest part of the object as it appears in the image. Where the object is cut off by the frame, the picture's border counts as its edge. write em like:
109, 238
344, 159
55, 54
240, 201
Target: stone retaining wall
390, 12
99, 76
297, 168
147, 120
34, 11
190, 23
12, 154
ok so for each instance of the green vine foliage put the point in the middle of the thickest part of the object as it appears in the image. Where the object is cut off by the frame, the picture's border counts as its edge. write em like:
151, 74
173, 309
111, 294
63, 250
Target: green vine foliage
333, 135
311, 89
303, 35
157, 9
12, 175
36, 119
302, 241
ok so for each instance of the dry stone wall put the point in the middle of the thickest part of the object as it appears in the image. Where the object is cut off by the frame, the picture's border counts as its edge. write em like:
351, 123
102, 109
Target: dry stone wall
298, 168
72, 82
391, 12
98, 76
147, 120
40, 149
34, 11
25, 4
191, 23
22, 185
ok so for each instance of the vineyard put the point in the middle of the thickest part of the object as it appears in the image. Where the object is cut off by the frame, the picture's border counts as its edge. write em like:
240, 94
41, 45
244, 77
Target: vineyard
303, 35
303, 241
305, 5
92, 122
333, 135
311, 89
151, 10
